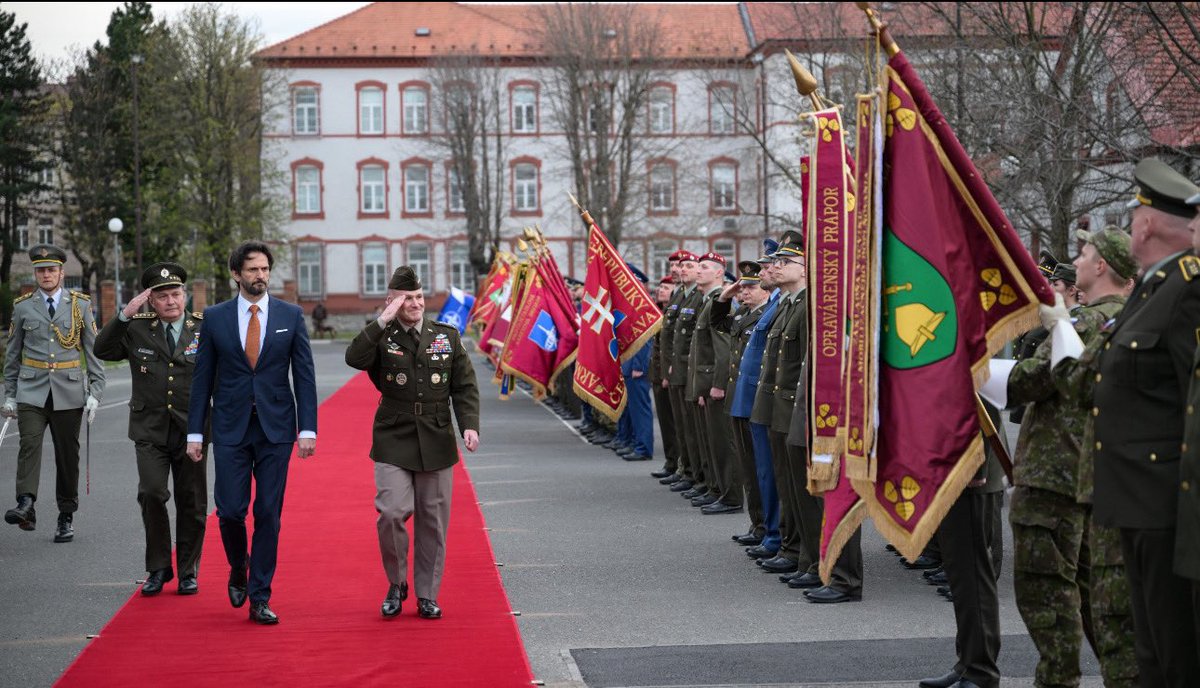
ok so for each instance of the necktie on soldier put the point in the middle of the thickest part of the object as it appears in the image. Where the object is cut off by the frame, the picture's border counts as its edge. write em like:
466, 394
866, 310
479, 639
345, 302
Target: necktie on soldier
170, 332
252, 333
50, 306
415, 335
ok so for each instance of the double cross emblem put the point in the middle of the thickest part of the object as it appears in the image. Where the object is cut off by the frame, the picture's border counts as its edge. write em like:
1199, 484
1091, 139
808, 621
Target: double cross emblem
598, 312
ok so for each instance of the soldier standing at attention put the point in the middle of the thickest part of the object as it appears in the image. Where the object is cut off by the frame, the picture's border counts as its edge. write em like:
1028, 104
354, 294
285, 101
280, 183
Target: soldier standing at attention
420, 367
161, 349
691, 458
1141, 378
662, 397
43, 386
1187, 528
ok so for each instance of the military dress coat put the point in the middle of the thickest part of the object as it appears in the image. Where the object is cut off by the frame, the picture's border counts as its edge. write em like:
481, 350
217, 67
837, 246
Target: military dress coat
665, 339
783, 363
1187, 525
419, 382
35, 361
681, 340
708, 346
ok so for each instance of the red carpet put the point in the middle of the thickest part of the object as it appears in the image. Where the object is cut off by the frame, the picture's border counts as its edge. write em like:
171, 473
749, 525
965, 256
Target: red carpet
327, 590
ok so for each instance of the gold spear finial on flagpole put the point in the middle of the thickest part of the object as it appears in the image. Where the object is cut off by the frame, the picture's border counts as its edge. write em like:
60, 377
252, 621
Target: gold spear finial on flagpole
880, 28
587, 217
806, 83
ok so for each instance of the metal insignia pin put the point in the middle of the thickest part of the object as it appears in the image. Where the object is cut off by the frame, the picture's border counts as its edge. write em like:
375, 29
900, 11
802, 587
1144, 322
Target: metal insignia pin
435, 378
401, 378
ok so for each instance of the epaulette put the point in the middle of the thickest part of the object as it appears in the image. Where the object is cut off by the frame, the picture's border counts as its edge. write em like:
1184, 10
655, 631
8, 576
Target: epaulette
446, 324
198, 315
143, 316
1190, 267
82, 295
22, 297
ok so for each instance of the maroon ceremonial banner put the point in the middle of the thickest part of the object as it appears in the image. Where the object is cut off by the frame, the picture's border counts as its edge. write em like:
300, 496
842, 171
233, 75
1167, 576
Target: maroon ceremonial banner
492, 295
495, 330
618, 318
957, 284
541, 340
830, 212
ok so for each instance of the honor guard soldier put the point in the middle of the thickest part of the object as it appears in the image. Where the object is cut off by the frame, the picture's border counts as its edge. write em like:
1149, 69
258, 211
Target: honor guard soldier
161, 349
691, 464
1187, 528
52, 331
420, 367
1141, 375
664, 345
662, 397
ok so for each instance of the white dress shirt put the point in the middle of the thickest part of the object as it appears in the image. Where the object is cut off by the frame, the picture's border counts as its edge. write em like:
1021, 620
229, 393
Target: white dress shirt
56, 296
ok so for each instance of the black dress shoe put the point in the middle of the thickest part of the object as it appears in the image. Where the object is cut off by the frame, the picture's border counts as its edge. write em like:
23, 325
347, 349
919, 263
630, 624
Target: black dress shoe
663, 473
704, 500
600, 438
670, 479
721, 508
65, 532
693, 493
749, 539
937, 579
428, 609
260, 613
395, 595
920, 563
760, 552
23, 515
237, 587
636, 457
187, 585
804, 581
927, 574
965, 683
941, 681
681, 486
154, 582
779, 565
828, 595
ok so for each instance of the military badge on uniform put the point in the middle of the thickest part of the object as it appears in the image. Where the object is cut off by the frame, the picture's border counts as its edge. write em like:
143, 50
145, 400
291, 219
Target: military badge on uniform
440, 345
190, 350
401, 379
436, 378
144, 369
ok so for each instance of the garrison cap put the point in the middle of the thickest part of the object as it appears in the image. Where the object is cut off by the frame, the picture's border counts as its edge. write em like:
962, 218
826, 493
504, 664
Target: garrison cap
714, 257
1064, 272
163, 275
404, 279
770, 246
748, 270
45, 255
791, 244
637, 273
1162, 188
1113, 246
1047, 263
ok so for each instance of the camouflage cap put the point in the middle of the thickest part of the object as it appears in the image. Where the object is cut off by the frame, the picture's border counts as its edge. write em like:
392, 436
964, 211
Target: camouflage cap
1113, 246
1064, 272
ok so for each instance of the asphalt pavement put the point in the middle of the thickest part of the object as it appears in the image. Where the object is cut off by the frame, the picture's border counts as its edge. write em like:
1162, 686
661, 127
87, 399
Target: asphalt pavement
618, 582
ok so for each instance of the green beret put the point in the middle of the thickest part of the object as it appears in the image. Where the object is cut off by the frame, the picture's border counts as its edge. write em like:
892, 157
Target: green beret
1113, 246
1162, 188
163, 275
45, 255
405, 279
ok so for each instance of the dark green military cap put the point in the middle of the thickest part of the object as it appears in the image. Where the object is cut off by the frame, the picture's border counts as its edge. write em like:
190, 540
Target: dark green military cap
405, 279
45, 255
1162, 188
164, 275
1064, 272
748, 272
1113, 246
1047, 263
791, 244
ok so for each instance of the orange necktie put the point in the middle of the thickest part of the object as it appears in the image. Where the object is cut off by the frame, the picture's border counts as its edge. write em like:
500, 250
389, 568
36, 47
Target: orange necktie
252, 331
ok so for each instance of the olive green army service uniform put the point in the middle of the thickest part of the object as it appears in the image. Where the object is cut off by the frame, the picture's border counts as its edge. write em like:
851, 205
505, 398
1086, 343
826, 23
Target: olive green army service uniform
1187, 528
43, 372
420, 376
740, 325
710, 353
161, 372
662, 403
665, 355
690, 457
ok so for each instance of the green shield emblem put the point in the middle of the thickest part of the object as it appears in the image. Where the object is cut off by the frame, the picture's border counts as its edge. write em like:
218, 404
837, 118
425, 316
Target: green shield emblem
920, 324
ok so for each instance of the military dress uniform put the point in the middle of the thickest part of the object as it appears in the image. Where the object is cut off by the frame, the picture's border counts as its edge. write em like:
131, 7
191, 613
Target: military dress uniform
1187, 524
686, 426
421, 372
47, 345
710, 351
662, 397
665, 352
161, 359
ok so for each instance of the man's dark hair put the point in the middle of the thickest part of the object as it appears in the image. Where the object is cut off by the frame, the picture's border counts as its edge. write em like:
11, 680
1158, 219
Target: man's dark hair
238, 258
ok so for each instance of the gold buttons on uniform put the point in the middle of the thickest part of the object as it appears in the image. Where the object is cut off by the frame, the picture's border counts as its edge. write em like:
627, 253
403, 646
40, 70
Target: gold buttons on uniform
1133, 344
170, 393
169, 406
1097, 377
1185, 486
1153, 456
1095, 410
1191, 409
170, 365
1183, 447
170, 378
1098, 446
1107, 346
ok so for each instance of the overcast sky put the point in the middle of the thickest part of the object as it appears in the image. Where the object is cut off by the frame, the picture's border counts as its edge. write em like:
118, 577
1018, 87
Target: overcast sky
57, 28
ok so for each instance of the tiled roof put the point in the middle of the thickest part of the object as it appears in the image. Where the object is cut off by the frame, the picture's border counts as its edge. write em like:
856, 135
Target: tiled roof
423, 30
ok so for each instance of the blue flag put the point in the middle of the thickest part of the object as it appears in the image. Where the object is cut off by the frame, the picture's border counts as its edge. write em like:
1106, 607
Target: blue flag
544, 334
457, 308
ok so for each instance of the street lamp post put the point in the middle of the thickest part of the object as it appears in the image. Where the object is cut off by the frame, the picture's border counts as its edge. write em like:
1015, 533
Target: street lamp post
115, 226
134, 61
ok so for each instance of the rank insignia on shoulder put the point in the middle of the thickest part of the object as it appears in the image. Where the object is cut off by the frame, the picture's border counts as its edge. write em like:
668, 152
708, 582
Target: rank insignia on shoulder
198, 315
145, 316
23, 297
81, 295
1190, 267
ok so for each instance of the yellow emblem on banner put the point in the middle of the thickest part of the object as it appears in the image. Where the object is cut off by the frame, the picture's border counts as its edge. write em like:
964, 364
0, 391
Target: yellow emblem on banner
826, 127
902, 499
824, 420
995, 279
905, 117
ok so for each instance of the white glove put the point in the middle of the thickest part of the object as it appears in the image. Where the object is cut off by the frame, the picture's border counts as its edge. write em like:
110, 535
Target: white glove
90, 406
1053, 314
9, 409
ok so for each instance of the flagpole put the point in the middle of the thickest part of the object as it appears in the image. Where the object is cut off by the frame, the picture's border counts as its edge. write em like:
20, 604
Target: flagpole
880, 28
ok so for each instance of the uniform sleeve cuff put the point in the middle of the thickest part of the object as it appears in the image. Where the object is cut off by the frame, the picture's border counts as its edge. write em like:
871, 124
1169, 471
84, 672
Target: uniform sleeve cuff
307, 435
195, 437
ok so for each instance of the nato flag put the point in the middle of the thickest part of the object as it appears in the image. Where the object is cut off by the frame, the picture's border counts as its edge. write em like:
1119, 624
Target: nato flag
457, 308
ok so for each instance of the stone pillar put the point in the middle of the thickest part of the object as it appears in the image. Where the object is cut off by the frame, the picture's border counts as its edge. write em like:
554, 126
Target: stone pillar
199, 295
108, 300
290, 293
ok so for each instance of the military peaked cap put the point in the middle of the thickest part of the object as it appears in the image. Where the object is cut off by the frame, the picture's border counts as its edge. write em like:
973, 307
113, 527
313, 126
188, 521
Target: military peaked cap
44, 255
163, 275
1162, 188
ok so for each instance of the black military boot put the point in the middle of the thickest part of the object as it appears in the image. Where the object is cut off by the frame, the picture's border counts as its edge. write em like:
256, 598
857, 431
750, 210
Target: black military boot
23, 514
65, 531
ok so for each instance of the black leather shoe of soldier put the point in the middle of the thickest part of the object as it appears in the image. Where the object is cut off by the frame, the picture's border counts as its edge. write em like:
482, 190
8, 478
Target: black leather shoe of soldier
920, 563
23, 515
636, 457
779, 565
428, 609
748, 540
760, 552
395, 595
938, 578
805, 581
941, 681
692, 493
154, 582
704, 499
670, 479
828, 595
187, 586
237, 587
260, 613
720, 508
65, 532
662, 473
681, 486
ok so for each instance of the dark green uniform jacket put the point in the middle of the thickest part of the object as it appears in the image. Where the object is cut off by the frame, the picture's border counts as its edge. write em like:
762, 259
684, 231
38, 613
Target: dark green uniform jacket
1187, 527
418, 381
709, 347
681, 341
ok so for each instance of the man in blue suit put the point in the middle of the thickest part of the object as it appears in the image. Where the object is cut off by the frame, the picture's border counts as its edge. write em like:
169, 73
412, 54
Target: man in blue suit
637, 423
253, 340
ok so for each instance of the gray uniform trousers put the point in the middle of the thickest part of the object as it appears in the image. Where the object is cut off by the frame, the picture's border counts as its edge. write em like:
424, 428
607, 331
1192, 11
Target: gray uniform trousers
425, 496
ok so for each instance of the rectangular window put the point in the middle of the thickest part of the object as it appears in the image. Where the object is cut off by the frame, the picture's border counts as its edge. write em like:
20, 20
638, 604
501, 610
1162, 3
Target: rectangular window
662, 188
721, 110
370, 111
45, 231
461, 274
305, 104
416, 189
525, 187
457, 204
308, 269
660, 252
372, 189
726, 248
416, 110
308, 190
524, 110
23, 237
597, 113
374, 269
418, 260
662, 111
724, 183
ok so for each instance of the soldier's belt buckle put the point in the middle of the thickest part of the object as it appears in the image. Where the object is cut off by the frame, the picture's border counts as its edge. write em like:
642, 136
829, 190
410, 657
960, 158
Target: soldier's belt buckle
417, 408
51, 365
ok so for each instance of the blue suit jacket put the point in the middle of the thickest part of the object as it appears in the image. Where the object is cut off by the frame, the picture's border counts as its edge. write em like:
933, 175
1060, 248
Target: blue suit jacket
639, 361
224, 375
751, 365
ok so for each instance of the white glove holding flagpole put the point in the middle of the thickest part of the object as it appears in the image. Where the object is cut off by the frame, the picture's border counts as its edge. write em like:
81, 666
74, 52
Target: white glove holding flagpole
1064, 340
9, 410
90, 406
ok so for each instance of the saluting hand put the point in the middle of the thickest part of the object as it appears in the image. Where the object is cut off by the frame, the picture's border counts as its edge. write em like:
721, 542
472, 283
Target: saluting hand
390, 311
308, 447
471, 439
135, 304
728, 292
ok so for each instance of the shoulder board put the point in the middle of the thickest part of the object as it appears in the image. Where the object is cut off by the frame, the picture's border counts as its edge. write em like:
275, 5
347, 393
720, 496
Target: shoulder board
145, 316
1190, 267
23, 297
198, 315
81, 295
446, 324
